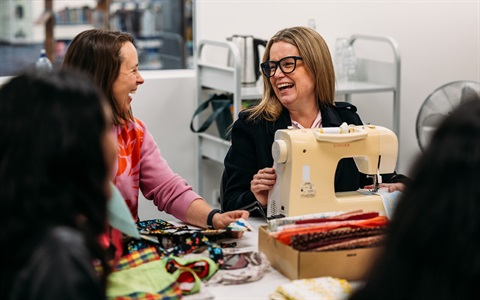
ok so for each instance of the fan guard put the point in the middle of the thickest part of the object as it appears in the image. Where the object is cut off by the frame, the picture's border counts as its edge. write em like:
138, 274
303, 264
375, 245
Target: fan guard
439, 104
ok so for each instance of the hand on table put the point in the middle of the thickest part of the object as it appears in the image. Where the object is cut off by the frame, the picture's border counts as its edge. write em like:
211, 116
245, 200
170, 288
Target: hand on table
391, 187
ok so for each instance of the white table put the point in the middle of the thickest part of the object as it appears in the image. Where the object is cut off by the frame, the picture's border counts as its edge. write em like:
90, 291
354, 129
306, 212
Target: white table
254, 290
261, 289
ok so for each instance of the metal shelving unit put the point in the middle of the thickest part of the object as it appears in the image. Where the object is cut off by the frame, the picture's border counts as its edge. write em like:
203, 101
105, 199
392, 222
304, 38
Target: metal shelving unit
222, 78
372, 77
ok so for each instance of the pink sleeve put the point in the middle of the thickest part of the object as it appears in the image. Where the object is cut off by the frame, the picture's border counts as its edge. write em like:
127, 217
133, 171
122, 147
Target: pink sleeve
169, 191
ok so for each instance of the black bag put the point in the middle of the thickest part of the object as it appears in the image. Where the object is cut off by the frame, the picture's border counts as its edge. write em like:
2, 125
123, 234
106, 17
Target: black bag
221, 107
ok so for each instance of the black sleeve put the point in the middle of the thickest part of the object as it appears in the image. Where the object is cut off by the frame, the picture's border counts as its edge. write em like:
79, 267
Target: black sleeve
240, 165
400, 178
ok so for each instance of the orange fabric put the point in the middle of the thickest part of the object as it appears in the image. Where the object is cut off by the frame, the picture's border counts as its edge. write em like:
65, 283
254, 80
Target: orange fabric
130, 139
128, 149
285, 235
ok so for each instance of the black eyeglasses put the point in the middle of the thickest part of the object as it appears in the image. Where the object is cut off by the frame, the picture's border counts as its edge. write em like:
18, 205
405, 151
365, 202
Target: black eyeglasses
286, 64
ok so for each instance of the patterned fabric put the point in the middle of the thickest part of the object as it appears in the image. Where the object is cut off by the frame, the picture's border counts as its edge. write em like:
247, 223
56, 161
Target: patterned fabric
286, 235
141, 275
172, 292
157, 226
356, 243
171, 240
203, 267
190, 271
348, 230
324, 288
240, 268
130, 140
342, 238
136, 258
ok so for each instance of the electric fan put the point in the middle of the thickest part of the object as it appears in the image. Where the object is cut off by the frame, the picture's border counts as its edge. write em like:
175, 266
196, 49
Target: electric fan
439, 104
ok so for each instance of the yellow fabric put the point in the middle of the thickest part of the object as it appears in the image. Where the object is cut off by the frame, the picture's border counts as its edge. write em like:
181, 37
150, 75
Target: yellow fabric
325, 288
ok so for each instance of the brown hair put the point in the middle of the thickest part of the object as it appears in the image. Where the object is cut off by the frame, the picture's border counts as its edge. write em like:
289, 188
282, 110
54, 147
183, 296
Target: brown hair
97, 53
317, 59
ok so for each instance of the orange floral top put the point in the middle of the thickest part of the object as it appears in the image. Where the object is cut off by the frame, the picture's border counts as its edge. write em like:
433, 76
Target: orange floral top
140, 166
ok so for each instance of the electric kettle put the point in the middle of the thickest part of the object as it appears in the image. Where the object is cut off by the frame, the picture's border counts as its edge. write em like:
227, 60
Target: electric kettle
248, 47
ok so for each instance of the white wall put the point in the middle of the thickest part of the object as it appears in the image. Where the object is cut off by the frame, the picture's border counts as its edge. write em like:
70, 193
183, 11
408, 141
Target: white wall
165, 102
439, 42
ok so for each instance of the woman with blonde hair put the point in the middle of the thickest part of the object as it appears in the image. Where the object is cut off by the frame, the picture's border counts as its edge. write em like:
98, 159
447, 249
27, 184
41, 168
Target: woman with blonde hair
299, 91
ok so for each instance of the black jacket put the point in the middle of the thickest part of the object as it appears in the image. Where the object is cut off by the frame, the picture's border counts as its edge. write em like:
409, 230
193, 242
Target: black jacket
60, 267
251, 151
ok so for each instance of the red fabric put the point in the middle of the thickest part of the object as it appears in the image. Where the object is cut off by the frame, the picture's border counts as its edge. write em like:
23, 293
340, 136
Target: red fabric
285, 235
355, 215
113, 237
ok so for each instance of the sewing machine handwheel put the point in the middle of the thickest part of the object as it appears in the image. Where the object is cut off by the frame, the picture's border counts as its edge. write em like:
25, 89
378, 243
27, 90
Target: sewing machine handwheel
280, 151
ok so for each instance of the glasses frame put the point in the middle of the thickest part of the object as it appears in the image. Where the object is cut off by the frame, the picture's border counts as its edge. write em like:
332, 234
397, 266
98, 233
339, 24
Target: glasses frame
266, 65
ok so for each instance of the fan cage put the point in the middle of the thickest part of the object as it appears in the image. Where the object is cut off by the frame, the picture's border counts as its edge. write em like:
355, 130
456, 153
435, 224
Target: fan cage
439, 104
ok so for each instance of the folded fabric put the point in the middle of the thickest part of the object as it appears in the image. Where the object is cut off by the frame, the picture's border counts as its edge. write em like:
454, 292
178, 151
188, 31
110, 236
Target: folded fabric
285, 235
188, 280
141, 275
365, 242
172, 292
203, 267
275, 224
158, 226
178, 245
336, 239
324, 288
240, 225
247, 267
235, 261
137, 258
178, 241
348, 216
189, 271
351, 215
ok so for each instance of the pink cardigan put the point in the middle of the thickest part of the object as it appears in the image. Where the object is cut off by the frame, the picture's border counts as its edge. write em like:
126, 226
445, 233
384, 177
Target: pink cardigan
141, 166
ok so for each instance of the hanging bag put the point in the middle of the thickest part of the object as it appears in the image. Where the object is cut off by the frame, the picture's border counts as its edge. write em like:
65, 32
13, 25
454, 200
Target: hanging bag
221, 114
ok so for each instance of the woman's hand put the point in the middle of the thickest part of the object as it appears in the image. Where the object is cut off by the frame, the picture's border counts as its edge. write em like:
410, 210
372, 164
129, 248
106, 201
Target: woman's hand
391, 187
262, 183
222, 220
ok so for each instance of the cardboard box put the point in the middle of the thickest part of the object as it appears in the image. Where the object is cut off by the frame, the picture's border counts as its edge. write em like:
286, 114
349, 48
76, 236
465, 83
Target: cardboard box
351, 265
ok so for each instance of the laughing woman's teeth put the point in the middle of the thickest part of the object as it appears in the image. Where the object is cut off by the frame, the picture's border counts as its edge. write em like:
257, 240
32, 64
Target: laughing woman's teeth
284, 85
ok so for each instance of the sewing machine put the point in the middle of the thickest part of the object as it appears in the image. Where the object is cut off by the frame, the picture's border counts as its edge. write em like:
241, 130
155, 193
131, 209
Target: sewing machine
306, 160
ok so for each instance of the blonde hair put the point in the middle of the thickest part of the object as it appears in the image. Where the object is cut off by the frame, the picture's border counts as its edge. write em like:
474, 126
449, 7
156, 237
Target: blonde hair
316, 58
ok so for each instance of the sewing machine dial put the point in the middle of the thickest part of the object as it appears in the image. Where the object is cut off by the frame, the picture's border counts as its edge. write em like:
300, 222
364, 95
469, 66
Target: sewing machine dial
280, 151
